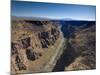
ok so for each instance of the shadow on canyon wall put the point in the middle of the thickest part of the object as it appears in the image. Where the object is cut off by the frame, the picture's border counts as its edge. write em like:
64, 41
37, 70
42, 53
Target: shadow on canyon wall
69, 53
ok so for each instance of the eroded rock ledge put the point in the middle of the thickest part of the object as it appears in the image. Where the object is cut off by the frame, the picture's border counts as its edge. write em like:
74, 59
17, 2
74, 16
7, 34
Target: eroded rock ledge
33, 43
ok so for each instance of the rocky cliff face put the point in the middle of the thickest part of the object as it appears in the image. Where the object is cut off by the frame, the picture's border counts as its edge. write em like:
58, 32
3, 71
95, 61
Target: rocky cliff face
84, 45
30, 41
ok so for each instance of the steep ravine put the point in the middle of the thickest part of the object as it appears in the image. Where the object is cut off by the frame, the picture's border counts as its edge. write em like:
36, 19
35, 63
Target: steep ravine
68, 55
64, 55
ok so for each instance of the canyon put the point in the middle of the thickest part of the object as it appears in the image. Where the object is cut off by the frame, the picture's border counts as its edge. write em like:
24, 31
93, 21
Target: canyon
52, 46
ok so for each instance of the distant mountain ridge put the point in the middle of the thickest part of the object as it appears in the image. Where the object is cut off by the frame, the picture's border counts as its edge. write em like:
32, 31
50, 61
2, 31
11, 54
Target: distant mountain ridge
43, 18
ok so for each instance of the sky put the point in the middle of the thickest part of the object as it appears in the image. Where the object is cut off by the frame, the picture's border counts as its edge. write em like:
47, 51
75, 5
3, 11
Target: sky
53, 10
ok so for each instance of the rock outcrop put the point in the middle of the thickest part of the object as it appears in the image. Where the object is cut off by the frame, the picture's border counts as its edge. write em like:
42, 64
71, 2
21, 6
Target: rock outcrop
30, 41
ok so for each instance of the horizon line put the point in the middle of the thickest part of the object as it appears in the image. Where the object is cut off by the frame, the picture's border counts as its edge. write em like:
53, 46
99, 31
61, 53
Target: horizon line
66, 18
